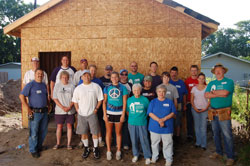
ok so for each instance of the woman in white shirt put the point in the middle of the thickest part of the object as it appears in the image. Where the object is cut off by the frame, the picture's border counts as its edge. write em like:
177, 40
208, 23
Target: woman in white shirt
199, 110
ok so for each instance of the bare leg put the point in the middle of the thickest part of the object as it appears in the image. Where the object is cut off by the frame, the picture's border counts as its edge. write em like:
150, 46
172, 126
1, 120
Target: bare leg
118, 131
69, 133
59, 133
109, 127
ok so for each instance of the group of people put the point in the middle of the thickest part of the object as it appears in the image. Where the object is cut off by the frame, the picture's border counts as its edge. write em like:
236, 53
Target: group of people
129, 108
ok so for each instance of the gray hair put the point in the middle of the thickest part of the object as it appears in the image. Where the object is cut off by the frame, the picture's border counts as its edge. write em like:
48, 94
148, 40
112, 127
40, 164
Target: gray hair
135, 86
161, 87
64, 73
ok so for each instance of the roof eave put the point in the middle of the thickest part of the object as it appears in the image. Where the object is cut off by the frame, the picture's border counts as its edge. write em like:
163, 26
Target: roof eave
11, 29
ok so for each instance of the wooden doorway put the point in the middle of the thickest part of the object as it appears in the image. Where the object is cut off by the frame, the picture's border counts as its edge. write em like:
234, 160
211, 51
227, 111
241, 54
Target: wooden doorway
50, 60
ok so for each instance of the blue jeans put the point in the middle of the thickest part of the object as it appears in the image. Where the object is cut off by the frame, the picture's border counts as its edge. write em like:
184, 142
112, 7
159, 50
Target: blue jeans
200, 125
139, 133
38, 131
224, 128
189, 117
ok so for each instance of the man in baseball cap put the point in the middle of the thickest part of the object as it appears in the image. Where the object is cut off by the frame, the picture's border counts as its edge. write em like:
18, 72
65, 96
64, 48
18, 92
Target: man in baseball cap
79, 73
30, 75
106, 78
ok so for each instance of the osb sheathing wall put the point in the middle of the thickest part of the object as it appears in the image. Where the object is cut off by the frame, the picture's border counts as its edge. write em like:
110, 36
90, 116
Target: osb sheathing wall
115, 32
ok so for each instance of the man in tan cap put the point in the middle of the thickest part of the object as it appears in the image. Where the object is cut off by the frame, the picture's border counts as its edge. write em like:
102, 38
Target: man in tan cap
30, 75
220, 93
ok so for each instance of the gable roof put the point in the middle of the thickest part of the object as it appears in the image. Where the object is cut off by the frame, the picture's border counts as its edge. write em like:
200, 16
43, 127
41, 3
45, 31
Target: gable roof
208, 25
10, 63
225, 54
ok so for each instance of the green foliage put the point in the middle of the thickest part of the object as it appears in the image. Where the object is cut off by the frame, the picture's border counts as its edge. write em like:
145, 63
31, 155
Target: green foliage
232, 41
239, 111
11, 10
244, 155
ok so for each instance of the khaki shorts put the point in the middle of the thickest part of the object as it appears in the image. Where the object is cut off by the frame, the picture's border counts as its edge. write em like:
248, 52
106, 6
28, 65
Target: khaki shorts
86, 123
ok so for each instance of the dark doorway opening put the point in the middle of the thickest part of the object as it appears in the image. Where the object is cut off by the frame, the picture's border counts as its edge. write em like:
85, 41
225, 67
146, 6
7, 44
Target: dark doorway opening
50, 60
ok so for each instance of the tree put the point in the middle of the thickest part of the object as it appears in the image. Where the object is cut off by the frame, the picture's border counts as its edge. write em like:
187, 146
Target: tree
11, 10
232, 41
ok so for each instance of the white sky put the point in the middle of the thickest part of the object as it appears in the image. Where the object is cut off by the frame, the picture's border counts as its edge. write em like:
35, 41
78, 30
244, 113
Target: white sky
226, 12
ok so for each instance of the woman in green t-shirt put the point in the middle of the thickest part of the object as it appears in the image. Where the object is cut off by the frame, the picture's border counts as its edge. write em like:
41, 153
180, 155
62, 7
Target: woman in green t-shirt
137, 123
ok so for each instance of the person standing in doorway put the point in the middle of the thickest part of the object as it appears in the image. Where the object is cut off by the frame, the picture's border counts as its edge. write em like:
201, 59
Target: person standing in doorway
55, 76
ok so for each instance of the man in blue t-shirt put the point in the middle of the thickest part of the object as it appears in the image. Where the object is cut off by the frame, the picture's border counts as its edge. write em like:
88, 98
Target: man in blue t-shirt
36, 91
182, 90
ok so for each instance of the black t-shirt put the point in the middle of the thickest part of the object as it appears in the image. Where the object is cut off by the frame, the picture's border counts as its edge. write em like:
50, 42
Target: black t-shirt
105, 81
156, 81
150, 94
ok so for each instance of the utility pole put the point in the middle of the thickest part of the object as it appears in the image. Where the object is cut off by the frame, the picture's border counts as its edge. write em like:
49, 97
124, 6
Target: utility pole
34, 4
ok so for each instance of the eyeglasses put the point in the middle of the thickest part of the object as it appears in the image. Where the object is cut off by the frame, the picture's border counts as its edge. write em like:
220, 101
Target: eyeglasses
124, 74
133, 66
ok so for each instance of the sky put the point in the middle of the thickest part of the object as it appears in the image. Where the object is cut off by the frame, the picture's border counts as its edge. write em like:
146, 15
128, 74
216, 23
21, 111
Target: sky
226, 12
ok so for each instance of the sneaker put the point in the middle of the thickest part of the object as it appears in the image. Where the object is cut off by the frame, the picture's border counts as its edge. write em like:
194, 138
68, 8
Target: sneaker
230, 162
134, 159
96, 153
153, 160
215, 156
118, 155
109, 155
85, 152
35, 155
101, 144
168, 163
147, 161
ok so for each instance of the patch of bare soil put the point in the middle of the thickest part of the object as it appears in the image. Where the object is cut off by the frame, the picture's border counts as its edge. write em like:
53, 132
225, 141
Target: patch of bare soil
9, 101
185, 154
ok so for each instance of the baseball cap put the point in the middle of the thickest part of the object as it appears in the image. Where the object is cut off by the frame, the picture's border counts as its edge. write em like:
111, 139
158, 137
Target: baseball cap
148, 78
34, 59
108, 67
83, 60
85, 71
123, 70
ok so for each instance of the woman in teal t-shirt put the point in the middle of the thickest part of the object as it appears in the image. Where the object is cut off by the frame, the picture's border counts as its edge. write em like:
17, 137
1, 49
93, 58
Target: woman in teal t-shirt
114, 109
137, 123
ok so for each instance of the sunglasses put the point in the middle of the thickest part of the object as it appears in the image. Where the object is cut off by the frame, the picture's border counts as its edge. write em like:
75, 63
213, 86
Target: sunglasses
124, 74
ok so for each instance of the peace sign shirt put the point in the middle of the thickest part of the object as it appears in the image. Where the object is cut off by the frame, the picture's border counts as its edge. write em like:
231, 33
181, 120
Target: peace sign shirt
115, 98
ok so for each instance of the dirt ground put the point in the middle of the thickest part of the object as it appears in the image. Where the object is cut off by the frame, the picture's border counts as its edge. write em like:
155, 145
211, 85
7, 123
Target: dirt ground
12, 135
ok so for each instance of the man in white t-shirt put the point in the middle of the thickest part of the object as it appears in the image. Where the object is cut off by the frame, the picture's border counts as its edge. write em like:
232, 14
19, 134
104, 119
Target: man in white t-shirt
78, 74
30, 75
87, 99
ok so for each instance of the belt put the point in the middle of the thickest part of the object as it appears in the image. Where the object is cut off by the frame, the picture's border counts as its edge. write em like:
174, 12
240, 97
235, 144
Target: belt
40, 110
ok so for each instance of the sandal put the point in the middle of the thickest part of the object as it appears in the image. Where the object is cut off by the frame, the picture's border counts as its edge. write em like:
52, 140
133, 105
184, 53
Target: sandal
56, 147
69, 147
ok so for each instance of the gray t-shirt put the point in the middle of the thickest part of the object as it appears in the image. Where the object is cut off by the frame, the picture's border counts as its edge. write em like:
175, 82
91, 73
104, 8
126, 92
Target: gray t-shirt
172, 92
64, 94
